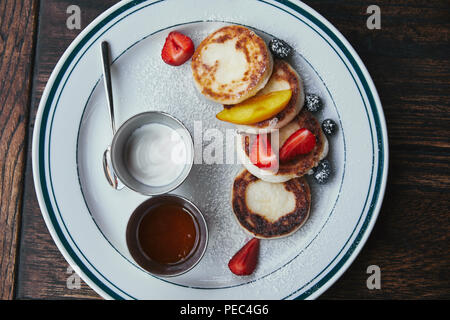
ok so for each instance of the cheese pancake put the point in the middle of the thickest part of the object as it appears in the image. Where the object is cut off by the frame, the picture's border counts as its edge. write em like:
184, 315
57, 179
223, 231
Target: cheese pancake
283, 77
299, 165
270, 210
231, 65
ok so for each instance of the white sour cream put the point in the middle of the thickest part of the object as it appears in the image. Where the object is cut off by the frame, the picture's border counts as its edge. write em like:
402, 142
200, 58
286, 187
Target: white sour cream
156, 154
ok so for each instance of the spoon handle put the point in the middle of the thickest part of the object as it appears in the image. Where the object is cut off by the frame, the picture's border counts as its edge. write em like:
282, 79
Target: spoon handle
107, 81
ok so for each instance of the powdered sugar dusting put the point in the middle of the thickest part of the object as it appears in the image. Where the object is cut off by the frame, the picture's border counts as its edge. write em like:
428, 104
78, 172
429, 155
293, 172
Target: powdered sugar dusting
153, 85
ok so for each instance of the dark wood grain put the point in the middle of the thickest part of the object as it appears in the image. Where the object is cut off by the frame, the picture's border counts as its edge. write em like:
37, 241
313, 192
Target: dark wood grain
409, 63
408, 60
17, 27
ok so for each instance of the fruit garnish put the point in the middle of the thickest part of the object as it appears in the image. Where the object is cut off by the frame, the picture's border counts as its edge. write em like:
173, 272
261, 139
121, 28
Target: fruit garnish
301, 141
261, 153
177, 49
313, 102
245, 260
257, 108
322, 172
280, 48
329, 127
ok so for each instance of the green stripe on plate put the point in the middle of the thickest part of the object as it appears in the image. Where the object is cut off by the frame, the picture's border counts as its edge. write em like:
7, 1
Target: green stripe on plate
83, 41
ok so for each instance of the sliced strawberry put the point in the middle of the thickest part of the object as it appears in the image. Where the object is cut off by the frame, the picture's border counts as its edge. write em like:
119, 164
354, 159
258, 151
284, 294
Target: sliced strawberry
301, 141
261, 153
177, 49
245, 260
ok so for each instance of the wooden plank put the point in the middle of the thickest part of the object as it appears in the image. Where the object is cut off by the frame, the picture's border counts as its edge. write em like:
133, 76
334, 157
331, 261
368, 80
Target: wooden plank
17, 26
43, 272
409, 63
408, 60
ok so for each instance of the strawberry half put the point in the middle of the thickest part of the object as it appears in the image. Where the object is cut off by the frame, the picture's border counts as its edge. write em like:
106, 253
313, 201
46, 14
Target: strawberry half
301, 141
177, 49
245, 260
261, 153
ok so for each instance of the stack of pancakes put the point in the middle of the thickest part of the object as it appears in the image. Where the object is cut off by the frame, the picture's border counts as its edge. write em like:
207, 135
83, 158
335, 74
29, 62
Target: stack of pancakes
234, 64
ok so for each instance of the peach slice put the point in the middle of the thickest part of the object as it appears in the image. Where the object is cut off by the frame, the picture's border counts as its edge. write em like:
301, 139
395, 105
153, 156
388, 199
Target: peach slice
257, 108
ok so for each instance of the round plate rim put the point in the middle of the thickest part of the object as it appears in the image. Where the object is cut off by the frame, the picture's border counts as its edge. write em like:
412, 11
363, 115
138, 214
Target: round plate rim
364, 75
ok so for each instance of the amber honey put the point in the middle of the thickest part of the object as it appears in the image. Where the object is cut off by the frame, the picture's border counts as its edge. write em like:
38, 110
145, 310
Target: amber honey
167, 233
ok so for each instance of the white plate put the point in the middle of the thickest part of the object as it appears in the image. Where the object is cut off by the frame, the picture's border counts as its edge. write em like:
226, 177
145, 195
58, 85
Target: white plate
87, 219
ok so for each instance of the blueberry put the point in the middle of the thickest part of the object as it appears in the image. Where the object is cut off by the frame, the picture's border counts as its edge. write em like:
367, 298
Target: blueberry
313, 102
322, 172
279, 48
329, 127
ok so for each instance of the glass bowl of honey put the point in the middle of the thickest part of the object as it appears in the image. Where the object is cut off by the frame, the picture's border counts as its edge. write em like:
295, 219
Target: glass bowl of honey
167, 235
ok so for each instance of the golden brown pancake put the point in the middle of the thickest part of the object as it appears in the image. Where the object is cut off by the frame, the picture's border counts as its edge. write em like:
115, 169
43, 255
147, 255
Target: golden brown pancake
296, 167
231, 64
283, 77
270, 210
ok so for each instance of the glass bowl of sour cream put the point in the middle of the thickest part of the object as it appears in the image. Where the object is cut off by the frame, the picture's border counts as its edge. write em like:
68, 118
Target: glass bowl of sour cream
152, 153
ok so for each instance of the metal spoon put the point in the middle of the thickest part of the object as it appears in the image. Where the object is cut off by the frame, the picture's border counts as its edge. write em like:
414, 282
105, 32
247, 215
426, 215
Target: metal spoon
107, 164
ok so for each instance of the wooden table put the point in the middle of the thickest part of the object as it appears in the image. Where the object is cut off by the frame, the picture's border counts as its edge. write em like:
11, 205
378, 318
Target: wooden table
409, 62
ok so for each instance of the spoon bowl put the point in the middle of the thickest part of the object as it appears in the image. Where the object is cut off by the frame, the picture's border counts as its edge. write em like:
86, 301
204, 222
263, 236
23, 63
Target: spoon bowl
110, 175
